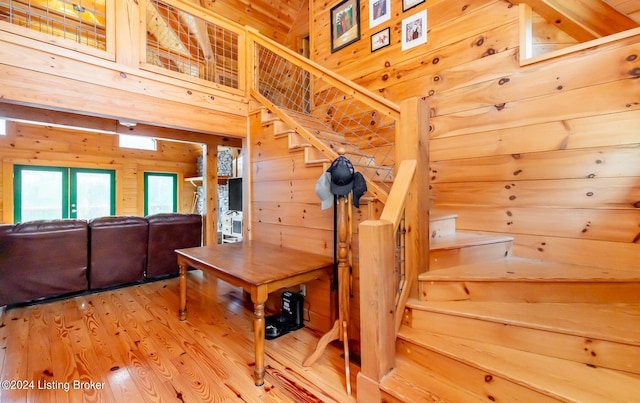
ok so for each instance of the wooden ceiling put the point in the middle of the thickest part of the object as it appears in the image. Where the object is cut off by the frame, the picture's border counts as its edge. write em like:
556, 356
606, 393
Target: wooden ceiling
273, 18
585, 20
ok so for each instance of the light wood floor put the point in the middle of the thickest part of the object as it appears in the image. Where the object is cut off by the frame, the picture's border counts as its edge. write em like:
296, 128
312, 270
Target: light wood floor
130, 343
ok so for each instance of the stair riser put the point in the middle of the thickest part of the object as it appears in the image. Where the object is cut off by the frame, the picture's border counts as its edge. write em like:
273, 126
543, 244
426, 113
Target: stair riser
430, 388
314, 158
281, 129
530, 291
267, 117
442, 228
444, 258
473, 379
600, 353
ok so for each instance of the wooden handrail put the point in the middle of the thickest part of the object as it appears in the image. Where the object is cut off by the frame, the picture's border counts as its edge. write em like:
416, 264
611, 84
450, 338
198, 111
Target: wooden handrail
358, 92
394, 206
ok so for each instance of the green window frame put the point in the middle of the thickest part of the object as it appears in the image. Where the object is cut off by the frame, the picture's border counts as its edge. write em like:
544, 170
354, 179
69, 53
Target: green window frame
65, 193
152, 193
19, 179
74, 193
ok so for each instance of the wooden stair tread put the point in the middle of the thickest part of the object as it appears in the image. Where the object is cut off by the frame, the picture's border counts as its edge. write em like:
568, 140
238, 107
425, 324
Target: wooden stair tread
462, 239
309, 121
578, 382
409, 382
522, 269
612, 322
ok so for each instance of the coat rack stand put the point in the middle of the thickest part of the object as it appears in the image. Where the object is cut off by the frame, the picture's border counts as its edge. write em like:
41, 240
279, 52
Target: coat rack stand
340, 328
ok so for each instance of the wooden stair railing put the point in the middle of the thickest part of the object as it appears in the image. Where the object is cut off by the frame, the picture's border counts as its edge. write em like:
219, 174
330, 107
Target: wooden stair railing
381, 308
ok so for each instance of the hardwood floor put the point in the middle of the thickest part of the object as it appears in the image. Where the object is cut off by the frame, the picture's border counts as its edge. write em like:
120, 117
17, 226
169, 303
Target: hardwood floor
129, 345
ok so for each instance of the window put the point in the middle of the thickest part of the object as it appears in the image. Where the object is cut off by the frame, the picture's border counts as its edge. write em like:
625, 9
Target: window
138, 142
3, 127
160, 193
92, 193
44, 193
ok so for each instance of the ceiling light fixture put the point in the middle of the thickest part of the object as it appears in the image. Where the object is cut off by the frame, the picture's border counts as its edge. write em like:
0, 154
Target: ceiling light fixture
128, 123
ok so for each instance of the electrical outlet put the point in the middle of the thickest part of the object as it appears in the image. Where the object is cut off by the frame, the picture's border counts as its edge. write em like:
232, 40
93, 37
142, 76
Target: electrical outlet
303, 290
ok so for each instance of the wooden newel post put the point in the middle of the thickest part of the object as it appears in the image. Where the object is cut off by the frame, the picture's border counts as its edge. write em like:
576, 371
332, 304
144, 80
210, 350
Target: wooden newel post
377, 307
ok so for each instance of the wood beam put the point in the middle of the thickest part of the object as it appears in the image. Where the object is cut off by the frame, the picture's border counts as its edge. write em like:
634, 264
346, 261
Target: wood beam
94, 123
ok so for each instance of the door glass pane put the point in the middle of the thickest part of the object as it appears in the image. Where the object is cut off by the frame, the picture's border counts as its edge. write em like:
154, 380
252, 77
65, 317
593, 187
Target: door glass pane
93, 194
160, 190
41, 195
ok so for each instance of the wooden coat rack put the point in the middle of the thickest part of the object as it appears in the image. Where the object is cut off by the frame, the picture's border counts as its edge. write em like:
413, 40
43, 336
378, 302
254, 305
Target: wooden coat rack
340, 328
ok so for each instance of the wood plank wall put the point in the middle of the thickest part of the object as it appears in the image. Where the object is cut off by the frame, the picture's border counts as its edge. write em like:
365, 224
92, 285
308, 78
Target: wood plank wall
51, 146
547, 153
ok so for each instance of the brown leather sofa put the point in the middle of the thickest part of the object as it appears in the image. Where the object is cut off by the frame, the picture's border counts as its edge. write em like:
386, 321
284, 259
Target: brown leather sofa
168, 232
117, 250
41, 259
55, 258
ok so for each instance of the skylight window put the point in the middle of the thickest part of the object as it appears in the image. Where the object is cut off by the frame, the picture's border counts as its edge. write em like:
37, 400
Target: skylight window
3, 127
137, 142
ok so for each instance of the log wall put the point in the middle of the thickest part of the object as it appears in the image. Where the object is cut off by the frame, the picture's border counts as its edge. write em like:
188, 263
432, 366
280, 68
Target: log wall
51, 146
547, 153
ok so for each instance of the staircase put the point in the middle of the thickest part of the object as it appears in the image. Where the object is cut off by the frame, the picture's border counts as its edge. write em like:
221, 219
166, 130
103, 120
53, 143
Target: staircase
489, 326
364, 161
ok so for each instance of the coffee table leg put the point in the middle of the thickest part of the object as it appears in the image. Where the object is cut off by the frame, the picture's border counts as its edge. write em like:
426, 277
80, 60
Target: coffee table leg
183, 290
259, 297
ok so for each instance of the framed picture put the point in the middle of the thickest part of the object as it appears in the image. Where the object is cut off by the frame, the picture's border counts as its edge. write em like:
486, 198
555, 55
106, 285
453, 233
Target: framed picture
345, 24
407, 4
379, 12
380, 39
414, 30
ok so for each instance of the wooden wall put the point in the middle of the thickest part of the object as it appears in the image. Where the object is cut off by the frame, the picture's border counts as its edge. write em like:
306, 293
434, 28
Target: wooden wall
547, 153
51, 146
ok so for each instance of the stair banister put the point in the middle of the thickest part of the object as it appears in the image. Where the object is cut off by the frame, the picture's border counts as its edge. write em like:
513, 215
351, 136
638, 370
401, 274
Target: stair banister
381, 308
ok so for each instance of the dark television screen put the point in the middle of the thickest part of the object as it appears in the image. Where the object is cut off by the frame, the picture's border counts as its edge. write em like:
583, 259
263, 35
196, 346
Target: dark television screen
235, 194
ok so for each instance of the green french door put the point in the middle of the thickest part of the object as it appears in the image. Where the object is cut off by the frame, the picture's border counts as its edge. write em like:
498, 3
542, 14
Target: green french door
44, 193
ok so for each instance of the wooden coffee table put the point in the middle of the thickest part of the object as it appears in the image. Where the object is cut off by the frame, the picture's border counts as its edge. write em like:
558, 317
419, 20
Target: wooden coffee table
259, 268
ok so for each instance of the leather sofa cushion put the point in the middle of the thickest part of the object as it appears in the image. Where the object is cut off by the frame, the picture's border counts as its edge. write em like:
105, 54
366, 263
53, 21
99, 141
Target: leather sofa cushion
43, 258
168, 232
117, 250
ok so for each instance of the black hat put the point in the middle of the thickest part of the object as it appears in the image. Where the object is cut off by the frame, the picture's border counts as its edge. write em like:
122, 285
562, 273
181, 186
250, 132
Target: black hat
341, 171
359, 188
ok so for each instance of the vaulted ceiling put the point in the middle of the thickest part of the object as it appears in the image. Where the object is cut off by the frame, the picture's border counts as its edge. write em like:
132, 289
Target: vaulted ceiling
273, 18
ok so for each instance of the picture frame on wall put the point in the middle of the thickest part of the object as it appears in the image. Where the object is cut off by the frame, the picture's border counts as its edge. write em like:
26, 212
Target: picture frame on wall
414, 30
379, 12
380, 39
345, 24
408, 4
